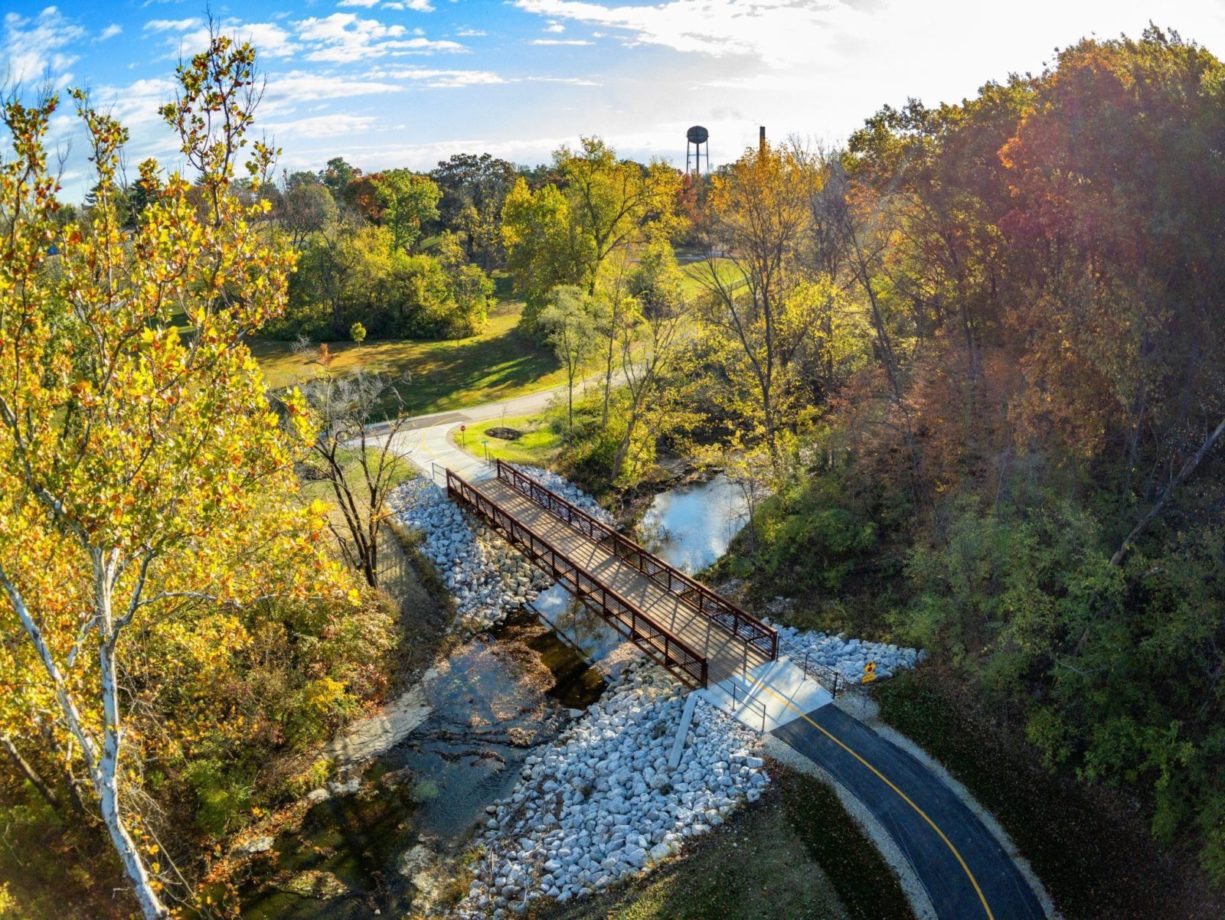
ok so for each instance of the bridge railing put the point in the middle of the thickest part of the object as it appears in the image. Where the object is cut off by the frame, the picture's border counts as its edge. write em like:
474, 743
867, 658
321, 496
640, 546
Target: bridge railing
722, 612
674, 652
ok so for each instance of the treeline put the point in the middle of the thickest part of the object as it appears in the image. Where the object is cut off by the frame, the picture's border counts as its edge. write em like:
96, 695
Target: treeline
978, 358
403, 254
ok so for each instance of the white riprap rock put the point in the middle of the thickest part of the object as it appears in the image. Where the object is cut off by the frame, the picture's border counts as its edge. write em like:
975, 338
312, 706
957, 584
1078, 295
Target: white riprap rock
599, 803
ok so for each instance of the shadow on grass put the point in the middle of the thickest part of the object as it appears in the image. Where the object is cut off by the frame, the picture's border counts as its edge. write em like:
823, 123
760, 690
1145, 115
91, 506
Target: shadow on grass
438, 375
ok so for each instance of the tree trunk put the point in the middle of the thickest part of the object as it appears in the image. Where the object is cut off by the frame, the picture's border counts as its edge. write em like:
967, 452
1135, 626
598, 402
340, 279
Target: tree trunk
29, 772
109, 795
1187, 469
570, 401
624, 447
608, 363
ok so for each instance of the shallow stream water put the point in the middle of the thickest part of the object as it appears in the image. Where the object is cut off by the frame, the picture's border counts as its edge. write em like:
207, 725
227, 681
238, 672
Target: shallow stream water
692, 525
494, 699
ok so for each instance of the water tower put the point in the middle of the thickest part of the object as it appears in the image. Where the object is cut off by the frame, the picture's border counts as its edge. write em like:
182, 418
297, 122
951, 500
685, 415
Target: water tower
696, 138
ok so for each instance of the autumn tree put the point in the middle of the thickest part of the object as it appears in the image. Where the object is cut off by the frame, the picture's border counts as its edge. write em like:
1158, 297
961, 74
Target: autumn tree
648, 341
304, 206
615, 204
474, 189
360, 468
408, 202
141, 469
543, 247
1117, 223
338, 175
759, 306
570, 322
566, 231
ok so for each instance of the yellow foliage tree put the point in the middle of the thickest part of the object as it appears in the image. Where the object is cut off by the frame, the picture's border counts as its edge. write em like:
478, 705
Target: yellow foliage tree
141, 468
761, 310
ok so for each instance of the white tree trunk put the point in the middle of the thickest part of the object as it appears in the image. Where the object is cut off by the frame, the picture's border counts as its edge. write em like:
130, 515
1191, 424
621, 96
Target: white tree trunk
103, 766
108, 786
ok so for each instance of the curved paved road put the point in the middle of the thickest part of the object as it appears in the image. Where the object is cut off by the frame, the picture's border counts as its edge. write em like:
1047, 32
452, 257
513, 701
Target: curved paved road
966, 872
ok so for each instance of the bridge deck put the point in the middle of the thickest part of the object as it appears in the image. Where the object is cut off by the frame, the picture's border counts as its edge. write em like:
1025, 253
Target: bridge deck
724, 653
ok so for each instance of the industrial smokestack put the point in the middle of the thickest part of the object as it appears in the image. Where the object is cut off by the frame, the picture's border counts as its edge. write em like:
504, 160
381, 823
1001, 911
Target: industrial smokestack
761, 139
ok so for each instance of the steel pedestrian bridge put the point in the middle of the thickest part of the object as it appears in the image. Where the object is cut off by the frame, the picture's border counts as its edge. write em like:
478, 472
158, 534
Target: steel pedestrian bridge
699, 636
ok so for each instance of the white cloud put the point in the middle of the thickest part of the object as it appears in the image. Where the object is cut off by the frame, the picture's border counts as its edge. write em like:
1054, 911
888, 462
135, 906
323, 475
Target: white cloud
301, 85
345, 37
334, 125
783, 31
365, 4
560, 41
173, 25
555, 27
442, 79
32, 46
471, 33
565, 81
269, 39
110, 32
136, 104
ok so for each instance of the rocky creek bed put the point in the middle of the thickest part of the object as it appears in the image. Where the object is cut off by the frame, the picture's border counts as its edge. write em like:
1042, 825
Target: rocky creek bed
600, 802
846, 656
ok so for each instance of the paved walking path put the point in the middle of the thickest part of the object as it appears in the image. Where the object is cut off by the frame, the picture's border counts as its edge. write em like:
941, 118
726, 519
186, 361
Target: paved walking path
966, 872
426, 439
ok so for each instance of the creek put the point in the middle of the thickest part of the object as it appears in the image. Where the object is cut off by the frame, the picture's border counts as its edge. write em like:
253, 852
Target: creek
496, 697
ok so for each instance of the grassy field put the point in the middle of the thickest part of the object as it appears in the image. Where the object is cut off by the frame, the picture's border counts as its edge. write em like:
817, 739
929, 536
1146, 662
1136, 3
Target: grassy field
537, 446
322, 489
500, 363
693, 274
497, 364
795, 855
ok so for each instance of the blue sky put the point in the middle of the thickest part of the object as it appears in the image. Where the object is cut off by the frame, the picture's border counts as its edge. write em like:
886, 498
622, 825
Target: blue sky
408, 82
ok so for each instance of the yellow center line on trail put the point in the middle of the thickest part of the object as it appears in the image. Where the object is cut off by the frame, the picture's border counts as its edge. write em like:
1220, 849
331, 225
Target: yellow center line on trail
904, 797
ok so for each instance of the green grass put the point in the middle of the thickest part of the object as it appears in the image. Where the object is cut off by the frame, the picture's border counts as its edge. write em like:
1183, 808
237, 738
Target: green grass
497, 364
859, 874
1090, 848
538, 445
694, 273
322, 489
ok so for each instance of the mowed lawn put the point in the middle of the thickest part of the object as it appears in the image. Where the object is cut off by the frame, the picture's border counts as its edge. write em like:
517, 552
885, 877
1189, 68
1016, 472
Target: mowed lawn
537, 446
437, 376
696, 277
440, 376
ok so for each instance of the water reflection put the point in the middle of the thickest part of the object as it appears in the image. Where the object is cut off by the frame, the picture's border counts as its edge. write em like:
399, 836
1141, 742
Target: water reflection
692, 526
588, 633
